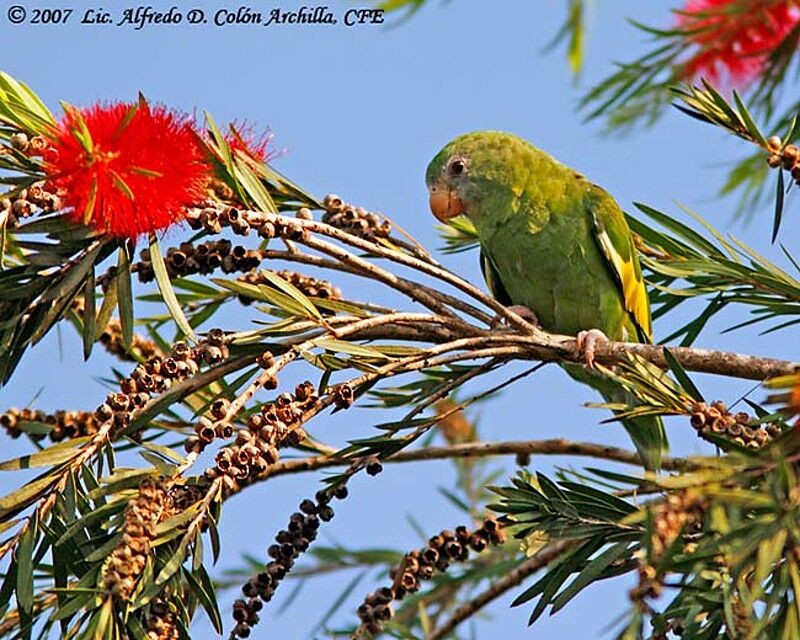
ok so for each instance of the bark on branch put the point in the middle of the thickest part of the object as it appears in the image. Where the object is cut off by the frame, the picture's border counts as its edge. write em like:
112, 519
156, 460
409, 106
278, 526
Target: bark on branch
543, 346
508, 581
556, 446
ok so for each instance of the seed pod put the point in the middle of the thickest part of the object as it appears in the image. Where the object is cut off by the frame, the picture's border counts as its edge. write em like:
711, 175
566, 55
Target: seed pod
774, 143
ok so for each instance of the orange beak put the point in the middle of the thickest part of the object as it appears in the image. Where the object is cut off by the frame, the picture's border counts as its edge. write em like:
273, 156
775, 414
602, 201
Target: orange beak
445, 203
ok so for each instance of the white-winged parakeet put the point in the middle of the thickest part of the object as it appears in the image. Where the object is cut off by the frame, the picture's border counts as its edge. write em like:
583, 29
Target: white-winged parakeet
553, 243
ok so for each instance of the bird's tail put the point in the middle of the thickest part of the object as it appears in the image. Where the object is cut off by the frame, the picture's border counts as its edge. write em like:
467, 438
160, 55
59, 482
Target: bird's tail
647, 432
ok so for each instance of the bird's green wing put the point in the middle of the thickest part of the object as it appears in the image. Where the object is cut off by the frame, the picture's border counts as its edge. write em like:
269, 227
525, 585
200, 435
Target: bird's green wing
492, 279
616, 244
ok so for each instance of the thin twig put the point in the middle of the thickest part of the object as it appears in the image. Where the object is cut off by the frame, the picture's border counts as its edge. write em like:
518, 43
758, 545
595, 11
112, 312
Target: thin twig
409, 261
498, 588
324, 263
551, 447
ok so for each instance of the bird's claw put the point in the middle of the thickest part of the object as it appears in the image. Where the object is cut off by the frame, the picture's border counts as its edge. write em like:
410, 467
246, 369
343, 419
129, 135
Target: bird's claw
587, 341
522, 311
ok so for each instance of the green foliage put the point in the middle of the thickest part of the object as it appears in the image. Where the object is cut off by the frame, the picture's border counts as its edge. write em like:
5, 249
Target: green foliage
719, 535
732, 567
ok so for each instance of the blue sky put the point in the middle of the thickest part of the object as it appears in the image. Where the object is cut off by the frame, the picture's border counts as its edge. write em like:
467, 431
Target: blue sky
361, 111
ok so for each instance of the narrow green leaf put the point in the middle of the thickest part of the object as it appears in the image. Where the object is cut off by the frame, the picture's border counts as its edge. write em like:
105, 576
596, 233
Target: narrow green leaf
752, 128
253, 186
341, 346
102, 513
779, 196
25, 567
683, 378
125, 295
25, 495
164, 530
203, 588
570, 563
589, 574
89, 314
53, 455
104, 621
167, 452
292, 291
213, 535
167, 292
174, 563
106, 308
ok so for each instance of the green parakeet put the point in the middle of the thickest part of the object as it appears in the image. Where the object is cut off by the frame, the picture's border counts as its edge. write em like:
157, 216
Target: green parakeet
555, 243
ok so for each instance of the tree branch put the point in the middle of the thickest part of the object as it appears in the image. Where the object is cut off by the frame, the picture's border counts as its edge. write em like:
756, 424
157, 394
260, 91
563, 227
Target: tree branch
562, 348
556, 446
509, 581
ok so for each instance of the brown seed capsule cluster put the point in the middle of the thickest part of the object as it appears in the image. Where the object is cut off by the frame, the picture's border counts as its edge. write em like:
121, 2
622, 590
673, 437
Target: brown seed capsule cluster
215, 216
289, 544
36, 199
354, 220
141, 348
717, 420
784, 157
680, 514
127, 560
184, 496
443, 549
29, 145
156, 376
255, 449
188, 259
64, 424
311, 287
161, 622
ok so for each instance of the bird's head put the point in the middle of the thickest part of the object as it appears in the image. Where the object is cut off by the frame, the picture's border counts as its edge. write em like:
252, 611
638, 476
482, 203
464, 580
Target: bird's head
472, 169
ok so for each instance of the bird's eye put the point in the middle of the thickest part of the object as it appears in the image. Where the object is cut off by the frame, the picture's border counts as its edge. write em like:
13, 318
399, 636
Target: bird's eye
458, 167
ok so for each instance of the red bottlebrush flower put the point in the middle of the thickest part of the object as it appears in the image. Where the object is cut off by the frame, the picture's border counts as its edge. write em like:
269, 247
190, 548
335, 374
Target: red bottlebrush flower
127, 169
735, 40
243, 138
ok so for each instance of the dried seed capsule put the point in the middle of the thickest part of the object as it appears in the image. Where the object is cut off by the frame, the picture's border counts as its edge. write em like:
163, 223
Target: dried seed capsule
383, 595
308, 507
19, 141
477, 543
374, 467
430, 555
774, 143
790, 155
255, 604
219, 408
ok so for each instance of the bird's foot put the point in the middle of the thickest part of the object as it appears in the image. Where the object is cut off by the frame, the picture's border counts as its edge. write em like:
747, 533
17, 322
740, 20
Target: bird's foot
522, 311
587, 341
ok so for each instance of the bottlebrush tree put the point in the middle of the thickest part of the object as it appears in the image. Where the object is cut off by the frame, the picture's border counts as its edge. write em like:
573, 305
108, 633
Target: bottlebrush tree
94, 548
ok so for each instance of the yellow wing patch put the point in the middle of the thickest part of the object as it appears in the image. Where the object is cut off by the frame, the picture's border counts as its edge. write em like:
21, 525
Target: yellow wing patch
633, 289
